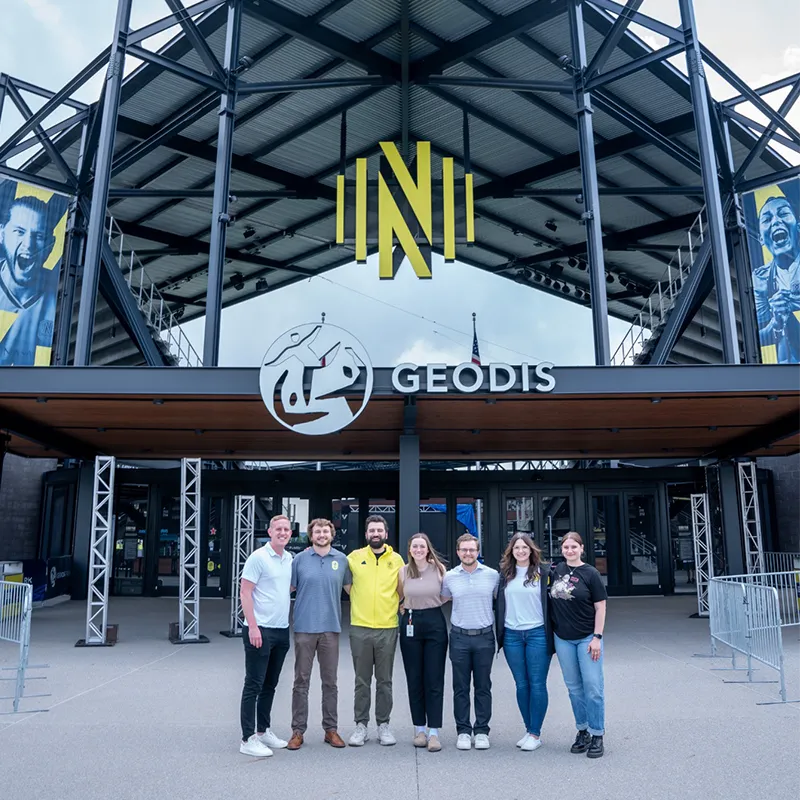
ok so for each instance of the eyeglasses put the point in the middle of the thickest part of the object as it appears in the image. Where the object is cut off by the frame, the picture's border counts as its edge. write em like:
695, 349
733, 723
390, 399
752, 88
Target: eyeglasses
468, 550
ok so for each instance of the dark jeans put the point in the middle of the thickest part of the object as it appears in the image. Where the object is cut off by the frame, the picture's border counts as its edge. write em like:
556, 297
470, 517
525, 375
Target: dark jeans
529, 661
262, 668
424, 657
471, 657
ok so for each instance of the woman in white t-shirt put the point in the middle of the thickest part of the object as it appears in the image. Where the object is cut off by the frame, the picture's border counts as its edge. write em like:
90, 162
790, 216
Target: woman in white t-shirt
524, 633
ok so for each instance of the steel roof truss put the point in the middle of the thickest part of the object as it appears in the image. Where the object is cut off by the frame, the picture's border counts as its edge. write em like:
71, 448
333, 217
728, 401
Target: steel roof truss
668, 32
165, 23
197, 39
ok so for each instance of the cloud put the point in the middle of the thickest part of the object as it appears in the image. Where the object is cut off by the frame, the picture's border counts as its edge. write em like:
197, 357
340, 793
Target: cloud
791, 58
423, 351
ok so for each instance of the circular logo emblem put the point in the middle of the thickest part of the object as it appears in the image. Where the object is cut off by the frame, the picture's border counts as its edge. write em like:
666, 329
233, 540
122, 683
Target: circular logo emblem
307, 374
335, 565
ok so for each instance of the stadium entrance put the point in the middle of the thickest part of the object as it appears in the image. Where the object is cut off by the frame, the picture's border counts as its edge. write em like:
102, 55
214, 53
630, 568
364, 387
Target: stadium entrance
637, 529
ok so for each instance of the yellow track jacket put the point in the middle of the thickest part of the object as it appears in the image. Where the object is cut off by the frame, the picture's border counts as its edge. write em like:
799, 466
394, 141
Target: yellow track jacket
373, 598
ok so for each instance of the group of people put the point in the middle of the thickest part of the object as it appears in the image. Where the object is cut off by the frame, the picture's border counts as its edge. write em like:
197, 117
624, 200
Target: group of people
528, 609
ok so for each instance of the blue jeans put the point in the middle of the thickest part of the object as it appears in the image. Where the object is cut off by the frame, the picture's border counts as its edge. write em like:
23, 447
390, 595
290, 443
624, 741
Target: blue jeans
529, 662
584, 680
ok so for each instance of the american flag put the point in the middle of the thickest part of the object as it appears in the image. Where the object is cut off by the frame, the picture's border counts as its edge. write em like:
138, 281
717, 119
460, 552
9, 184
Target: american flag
476, 353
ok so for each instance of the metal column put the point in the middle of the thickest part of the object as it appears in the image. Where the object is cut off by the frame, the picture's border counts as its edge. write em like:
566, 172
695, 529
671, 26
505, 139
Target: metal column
708, 168
408, 499
703, 558
243, 542
741, 264
751, 518
220, 218
101, 552
189, 591
591, 194
102, 179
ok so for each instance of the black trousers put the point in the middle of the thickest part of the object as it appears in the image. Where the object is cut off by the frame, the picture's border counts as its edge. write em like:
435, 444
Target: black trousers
262, 668
424, 657
472, 657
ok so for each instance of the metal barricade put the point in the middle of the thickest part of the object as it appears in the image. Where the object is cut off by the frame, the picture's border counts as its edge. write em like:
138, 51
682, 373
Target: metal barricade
747, 615
16, 608
781, 562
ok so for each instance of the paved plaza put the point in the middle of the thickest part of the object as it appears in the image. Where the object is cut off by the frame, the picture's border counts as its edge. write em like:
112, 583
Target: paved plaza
147, 719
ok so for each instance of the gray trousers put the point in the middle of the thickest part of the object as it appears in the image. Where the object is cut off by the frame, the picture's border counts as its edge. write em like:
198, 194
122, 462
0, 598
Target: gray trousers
326, 648
373, 652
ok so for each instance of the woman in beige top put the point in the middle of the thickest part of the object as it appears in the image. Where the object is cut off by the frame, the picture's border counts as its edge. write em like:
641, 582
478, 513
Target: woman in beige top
423, 639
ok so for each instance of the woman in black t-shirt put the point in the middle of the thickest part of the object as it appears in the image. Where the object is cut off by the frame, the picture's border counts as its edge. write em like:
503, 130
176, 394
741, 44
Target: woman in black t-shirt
578, 612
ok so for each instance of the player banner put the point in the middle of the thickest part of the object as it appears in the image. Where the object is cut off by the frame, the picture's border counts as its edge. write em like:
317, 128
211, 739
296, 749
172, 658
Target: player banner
772, 217
33, 223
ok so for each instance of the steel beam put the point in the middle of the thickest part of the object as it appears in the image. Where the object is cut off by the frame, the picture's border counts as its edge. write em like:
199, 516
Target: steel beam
514, 84
220, 216
187, 73
703, 552
652, 24
53, 130
693, 293
591, 196
198, 41
756, 127
612, 38
708, 162
502, 29
170, 21
301, 85
637, 64
751, 518
102, 178
768, 88
765, 180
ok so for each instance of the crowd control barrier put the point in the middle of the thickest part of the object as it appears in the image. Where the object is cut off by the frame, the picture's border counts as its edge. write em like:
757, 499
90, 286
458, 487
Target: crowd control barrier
748, 614
16, 608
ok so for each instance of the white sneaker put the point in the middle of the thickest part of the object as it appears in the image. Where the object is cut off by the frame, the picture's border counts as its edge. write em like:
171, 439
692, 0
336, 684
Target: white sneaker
531, 743
269, 739
254, 747
523, 739
385, 736
481, 741
360, 735
464, 741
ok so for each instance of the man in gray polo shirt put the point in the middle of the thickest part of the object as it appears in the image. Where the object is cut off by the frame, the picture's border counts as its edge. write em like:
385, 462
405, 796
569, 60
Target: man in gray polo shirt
473, 587
318, 574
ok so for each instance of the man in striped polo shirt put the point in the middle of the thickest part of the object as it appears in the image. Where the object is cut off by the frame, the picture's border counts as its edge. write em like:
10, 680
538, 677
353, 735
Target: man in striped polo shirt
473, 587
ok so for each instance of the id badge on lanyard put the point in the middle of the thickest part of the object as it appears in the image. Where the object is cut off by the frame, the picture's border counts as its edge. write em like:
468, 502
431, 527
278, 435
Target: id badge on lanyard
410, 626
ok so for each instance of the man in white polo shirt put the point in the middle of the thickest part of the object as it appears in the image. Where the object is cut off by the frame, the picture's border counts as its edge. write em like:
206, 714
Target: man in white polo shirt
473, 587
266, 597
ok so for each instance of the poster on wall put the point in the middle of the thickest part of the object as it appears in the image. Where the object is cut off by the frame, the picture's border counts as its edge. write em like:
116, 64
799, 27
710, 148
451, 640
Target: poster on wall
772, 217
33, 223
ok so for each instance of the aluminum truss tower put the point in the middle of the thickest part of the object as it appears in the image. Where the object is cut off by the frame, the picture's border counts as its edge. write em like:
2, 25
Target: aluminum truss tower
703, 555
189, 588
751, 517
243, 542
101, 552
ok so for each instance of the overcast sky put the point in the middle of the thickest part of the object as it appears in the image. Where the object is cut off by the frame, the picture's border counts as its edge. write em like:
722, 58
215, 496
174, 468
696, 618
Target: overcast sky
406, 319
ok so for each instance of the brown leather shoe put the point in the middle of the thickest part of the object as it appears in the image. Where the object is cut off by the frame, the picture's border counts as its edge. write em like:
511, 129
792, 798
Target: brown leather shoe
296, 742
333, 739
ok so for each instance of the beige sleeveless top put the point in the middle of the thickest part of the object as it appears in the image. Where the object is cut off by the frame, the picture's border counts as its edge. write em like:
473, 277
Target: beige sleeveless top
423, 592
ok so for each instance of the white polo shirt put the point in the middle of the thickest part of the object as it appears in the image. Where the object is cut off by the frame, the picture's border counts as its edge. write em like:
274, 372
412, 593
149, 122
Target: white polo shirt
272, 576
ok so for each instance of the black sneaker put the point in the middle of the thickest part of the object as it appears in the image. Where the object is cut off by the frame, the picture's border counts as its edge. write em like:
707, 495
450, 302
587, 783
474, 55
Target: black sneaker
596, 747
581, 744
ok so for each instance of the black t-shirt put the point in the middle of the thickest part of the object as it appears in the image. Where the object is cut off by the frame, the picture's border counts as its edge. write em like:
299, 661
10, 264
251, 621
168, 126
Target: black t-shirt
573, 593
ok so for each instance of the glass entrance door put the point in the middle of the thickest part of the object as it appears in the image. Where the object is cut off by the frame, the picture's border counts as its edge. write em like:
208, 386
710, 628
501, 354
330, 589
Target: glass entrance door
625, 541
546, 516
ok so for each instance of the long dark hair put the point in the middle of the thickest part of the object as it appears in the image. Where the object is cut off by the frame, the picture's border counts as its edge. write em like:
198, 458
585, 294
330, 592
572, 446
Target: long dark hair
508, 564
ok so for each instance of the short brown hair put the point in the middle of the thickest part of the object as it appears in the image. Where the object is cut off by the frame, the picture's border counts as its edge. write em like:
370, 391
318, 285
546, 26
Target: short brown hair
277, 517
467, 537
377, 519
319, 522
574, 535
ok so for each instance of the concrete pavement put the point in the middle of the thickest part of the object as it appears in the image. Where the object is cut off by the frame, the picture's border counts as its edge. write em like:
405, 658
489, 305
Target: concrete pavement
148, 719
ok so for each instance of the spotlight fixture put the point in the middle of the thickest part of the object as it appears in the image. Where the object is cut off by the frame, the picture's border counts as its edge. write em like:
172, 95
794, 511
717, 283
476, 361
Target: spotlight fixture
158, 402
237, 281
566, 289
527, 273
548, 281
262, 285
573, 262
249, 232
655, 400
609, 278
538, 277
583, 266
702, 331
772, 397
180, 311
557, 286
551, 225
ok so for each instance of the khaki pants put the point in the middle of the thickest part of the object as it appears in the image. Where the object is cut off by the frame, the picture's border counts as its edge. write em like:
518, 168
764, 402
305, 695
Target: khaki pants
373, 651
326, 648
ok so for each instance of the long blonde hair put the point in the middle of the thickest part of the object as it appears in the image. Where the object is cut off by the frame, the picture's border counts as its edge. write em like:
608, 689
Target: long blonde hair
431, 558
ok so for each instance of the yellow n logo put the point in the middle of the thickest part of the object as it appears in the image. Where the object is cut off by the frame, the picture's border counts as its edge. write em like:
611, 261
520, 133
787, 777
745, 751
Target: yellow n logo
423, 205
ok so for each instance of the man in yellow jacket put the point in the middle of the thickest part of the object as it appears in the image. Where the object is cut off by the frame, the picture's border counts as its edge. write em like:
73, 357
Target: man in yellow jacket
373, 628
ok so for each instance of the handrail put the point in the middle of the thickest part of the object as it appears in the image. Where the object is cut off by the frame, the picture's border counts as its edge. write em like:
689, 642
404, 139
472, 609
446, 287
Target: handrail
662, 298
157, 313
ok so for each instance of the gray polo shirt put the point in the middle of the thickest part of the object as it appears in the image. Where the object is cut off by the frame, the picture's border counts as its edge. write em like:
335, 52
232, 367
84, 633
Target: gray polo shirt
473, 595
319, 581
